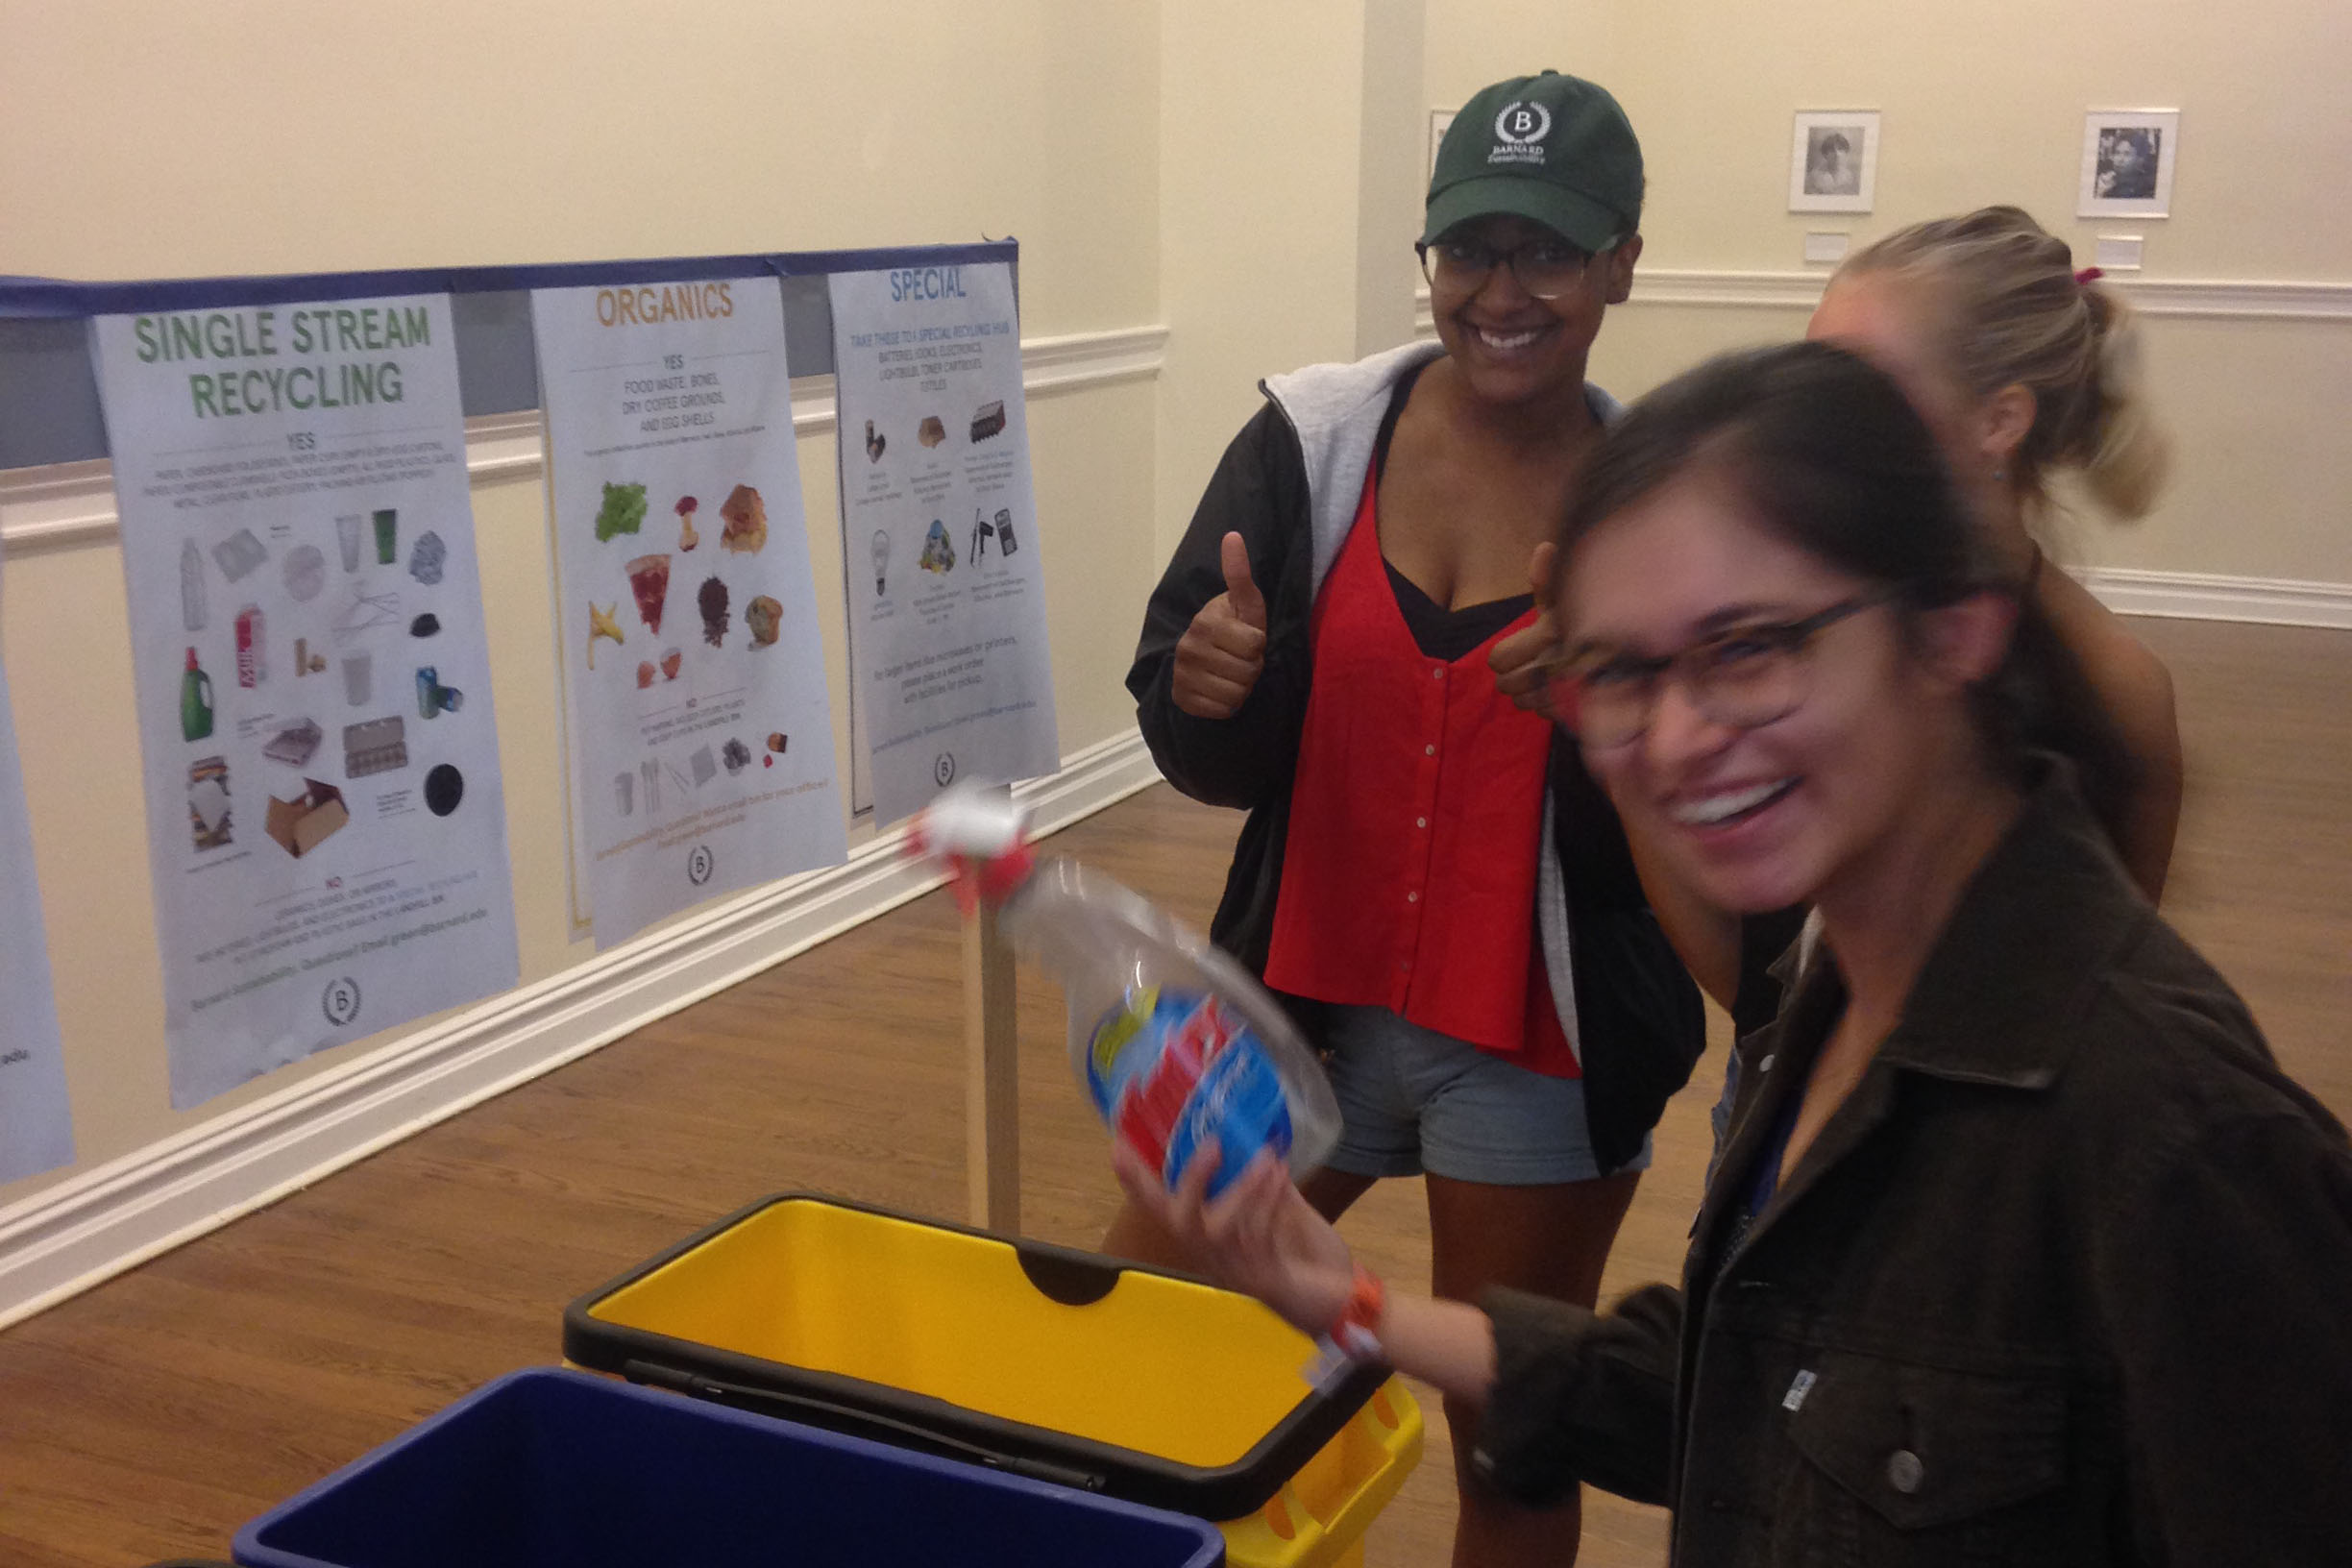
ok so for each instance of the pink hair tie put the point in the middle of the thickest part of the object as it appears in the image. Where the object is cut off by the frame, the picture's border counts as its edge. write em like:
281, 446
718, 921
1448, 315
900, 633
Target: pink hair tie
2087, 277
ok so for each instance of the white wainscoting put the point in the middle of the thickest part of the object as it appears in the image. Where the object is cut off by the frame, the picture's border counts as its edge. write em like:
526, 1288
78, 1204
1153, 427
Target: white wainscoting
71, 506
2191, 596
2202, 297
67, 1237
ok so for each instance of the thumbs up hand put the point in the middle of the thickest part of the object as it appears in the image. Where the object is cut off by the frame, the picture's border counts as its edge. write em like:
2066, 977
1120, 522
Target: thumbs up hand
1518, 660
1222, 653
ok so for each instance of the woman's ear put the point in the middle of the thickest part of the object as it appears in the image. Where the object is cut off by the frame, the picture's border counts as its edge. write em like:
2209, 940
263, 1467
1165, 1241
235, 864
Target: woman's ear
1620, 263
1964, 643
2003, 420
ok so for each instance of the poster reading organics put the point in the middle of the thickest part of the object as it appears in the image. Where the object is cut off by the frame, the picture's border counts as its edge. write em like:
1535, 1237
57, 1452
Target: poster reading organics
35, 1123
325, 821
951, 673
695, 699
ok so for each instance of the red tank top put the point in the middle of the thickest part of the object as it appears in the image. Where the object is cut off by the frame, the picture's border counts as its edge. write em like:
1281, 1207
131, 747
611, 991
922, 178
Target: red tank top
1416, 818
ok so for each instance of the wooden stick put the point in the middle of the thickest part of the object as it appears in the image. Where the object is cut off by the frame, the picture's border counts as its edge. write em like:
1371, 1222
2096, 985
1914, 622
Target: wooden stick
991, 1085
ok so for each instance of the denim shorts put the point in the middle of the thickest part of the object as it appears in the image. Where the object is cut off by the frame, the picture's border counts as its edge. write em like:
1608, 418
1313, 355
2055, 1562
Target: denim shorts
1412, 1101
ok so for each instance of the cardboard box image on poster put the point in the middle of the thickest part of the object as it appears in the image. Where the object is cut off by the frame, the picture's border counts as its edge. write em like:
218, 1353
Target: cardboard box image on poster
35, 1118
951, 672
325, 821
698, 719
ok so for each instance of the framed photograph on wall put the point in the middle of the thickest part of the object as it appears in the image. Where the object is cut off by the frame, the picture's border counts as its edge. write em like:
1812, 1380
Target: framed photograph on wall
2127, 158
1833, 162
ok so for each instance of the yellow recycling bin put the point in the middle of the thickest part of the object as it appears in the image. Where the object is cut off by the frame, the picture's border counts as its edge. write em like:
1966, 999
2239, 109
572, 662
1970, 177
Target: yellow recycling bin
1065, 1366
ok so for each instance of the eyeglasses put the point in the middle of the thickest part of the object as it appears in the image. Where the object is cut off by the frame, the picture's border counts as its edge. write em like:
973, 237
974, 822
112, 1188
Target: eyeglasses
1743, 678
1546, 268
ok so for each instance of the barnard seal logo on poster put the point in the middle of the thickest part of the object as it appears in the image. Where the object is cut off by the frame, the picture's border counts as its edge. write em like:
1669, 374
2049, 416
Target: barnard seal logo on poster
1520, 128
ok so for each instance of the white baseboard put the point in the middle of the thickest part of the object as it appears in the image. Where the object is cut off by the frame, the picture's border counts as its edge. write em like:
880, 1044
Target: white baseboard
2195, 596
67, 1237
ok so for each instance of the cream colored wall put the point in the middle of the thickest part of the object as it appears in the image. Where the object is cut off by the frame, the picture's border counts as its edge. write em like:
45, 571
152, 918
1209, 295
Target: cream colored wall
274, 136
1280, 243
141, 140
1981, 103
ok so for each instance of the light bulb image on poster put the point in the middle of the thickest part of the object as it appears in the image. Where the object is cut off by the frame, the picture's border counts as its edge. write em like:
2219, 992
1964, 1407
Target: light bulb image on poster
951, 673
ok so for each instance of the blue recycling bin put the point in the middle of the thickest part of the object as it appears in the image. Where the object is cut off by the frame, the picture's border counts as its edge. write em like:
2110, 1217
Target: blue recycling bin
552, 1468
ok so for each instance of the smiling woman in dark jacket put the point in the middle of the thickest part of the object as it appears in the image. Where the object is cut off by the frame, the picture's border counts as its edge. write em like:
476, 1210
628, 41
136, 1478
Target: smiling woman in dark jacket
2019, 1247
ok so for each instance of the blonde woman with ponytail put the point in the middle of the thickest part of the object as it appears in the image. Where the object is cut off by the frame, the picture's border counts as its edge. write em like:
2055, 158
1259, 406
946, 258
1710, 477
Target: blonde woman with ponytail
2026, 369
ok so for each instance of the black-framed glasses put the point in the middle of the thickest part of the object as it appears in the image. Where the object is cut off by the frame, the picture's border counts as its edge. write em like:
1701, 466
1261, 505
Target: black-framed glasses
1744, 678
1546, 268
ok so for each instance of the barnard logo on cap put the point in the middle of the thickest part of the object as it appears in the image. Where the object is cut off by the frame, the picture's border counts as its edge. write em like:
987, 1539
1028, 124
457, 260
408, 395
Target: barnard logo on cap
1520, 128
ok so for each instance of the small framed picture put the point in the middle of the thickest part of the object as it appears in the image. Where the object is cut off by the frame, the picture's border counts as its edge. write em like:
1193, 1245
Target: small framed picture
1439, 119
1833, 163
2127, 157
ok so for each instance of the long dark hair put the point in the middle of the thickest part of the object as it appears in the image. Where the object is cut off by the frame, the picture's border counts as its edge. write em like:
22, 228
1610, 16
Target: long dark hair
1832, 457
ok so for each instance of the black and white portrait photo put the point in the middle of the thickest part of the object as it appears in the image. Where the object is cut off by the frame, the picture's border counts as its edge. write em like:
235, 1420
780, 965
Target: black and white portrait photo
1832, 166
1833, 162
2127, 157
2127, 164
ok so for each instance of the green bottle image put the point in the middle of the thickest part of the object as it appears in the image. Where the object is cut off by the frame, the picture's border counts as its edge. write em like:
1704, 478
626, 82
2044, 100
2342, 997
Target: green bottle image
195, 702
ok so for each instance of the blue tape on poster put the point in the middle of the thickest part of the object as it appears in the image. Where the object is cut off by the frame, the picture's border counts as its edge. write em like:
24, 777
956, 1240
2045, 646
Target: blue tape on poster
49, 409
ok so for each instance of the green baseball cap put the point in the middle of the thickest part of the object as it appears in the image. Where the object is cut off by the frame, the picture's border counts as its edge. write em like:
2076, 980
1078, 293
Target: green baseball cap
1553, 149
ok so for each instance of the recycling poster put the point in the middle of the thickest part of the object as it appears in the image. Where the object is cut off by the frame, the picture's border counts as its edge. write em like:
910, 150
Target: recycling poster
35, 1123
950, 671
695, 700
325, 820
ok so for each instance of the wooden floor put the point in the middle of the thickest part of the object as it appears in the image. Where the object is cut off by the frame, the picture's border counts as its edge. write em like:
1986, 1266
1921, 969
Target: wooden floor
150, 1418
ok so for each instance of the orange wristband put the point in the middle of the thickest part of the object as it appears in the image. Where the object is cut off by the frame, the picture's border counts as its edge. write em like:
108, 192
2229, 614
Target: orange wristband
1357, 1330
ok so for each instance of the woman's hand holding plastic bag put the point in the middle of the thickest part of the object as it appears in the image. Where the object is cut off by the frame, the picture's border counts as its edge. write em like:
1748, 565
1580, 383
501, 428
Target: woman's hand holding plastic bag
1259, 1237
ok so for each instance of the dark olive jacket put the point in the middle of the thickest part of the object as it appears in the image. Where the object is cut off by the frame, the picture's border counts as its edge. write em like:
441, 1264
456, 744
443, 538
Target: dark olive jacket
2067, 1280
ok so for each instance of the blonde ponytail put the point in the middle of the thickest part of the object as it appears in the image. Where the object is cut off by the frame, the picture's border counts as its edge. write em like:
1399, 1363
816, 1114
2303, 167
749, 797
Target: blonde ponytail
2014, 313
2125, 455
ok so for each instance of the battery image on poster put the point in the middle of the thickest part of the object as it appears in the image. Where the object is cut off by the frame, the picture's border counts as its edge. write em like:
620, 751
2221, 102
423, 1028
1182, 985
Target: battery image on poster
951, 672
325, 818
699, 721
35, 1121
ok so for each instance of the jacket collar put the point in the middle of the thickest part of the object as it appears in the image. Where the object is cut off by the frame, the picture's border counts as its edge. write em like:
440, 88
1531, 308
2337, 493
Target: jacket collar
2002, 992
1336, 413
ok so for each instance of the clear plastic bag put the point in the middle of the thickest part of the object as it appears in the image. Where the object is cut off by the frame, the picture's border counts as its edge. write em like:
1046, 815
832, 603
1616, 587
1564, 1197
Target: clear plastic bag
1176, 1045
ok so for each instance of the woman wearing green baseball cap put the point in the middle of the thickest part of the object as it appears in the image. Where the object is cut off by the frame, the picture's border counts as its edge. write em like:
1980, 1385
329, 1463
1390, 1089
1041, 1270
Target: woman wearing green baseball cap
1345, 645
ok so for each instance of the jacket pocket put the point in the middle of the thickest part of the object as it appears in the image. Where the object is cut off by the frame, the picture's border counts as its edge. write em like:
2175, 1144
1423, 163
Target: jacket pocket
1905, 1464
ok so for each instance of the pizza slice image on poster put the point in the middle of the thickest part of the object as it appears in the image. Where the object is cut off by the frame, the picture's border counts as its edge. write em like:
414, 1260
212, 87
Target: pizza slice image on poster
326, 821
695, 708
950, 669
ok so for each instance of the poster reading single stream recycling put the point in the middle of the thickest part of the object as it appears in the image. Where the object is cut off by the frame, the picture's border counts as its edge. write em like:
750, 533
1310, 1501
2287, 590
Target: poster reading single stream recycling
695, 698
35, 1123
951, 668
325, 822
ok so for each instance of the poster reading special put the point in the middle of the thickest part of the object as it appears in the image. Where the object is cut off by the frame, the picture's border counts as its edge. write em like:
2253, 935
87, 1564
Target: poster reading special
325, 821
695, 698
950, 669
35, 1123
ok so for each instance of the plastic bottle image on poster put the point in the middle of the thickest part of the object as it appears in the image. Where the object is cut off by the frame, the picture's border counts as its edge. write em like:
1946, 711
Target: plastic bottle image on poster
951, 673
35, 1121
699, 726
325, 824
